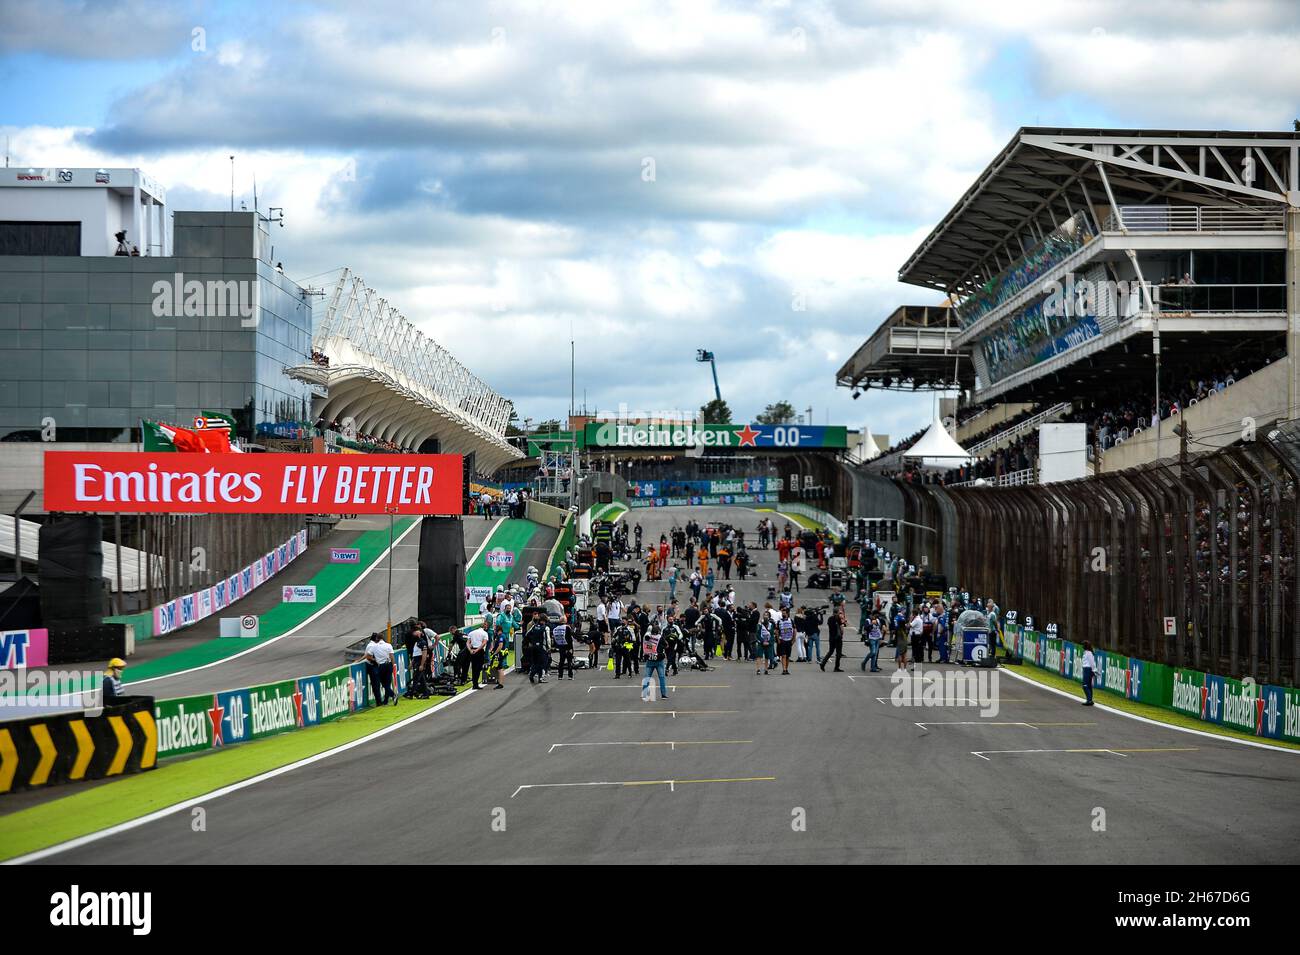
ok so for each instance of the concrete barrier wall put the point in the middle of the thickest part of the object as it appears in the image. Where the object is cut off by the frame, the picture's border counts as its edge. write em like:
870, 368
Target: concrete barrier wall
545, 514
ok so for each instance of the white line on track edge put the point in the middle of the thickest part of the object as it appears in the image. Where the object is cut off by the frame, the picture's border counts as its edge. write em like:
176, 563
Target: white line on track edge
226, 790
1144, 719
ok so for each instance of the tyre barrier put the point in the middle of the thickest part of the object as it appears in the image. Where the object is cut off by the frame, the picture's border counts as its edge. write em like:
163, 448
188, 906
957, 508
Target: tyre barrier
69, 747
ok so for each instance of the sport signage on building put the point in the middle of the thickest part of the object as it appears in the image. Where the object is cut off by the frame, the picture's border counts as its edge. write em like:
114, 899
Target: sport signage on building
132, 482
610, 434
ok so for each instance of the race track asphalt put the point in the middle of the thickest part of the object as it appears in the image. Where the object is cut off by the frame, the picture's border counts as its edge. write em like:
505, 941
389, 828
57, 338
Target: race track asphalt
739, 768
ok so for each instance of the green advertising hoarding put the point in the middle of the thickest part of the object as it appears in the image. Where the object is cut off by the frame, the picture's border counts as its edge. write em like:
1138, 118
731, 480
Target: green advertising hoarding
335, 693
1187, 691
273, 708
1239, 705
612, 434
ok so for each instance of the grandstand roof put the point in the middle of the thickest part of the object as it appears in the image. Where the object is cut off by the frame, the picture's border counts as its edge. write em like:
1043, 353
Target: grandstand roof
911, 350
1046, 174
397, 384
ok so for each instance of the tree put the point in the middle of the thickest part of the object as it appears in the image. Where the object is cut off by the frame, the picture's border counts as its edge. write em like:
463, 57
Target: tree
780, 412
512, 426
549, 426
715, 412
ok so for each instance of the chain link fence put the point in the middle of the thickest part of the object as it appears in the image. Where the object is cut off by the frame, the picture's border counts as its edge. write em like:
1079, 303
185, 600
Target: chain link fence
1183, 562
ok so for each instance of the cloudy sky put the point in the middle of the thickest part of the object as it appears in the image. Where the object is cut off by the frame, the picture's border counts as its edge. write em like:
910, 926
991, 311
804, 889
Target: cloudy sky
657, 177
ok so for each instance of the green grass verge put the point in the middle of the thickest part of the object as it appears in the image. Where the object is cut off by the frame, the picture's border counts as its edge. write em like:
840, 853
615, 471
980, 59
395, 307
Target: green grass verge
807, 523
510, 535
1172, 717
84, 811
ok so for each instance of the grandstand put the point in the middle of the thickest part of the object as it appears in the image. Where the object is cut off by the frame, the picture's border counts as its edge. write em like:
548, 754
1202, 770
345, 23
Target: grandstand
395, 388
1118, 277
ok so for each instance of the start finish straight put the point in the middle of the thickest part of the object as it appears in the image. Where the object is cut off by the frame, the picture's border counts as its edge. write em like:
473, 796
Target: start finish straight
364, 484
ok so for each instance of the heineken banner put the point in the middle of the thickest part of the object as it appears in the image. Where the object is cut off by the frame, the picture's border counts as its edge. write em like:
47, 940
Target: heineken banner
1239, 705
685, 489
232, 724
184, 725
705, 499
609, 434
1212, 707
309, 694
1115, 677
274, 708
1189, 692
194, 724
138, 483
335, 693
1271, 712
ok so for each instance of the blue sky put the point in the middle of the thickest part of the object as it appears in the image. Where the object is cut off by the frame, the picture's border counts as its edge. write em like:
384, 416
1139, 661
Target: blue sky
483, 165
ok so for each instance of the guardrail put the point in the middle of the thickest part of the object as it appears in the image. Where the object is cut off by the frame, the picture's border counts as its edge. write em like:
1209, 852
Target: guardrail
830, 521
1196, 219
1020, 428
1010, 479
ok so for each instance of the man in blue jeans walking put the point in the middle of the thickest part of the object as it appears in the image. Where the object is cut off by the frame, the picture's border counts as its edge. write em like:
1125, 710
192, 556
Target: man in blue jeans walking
652, 655
873, 639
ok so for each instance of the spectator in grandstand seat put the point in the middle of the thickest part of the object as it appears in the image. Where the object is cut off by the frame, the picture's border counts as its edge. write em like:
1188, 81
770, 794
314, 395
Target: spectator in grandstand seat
379, 667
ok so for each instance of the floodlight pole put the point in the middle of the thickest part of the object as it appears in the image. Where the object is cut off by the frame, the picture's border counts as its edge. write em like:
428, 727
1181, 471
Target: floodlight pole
390, 575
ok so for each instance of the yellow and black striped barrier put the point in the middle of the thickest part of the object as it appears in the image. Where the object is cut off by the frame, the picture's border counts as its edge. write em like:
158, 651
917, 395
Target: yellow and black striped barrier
67, 747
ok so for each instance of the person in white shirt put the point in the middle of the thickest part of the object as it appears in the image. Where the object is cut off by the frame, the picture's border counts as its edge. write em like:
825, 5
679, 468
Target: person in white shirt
379, 666
917, 631
1089, 671
477, 640
615, 613
798, 562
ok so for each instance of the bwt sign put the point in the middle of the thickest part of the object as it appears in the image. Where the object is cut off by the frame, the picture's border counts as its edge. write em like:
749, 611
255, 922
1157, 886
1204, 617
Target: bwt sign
135, 483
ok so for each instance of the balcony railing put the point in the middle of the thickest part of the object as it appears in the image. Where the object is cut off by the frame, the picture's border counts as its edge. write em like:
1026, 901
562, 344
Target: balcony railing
1196, 219
1020, 427
1011, 479
1227, 299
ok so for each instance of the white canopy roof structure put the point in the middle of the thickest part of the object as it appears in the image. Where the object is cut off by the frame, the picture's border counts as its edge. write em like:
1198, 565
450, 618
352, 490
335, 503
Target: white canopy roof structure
937, 449
870, 448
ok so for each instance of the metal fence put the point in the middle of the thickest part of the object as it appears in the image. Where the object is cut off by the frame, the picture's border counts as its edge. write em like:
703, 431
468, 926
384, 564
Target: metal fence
1209, 542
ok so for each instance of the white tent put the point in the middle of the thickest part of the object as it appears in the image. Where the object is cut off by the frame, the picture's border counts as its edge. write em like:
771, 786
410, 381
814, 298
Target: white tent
870, 447
937, 449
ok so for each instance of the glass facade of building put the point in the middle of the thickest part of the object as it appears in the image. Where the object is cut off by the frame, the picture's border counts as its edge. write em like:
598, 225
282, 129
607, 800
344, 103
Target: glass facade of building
91, 345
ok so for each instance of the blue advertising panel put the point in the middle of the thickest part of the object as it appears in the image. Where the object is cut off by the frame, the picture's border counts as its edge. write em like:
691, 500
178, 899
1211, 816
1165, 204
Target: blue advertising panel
234, 707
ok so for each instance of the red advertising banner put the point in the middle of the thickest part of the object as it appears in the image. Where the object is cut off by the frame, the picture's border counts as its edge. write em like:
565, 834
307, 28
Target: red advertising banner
136, 483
